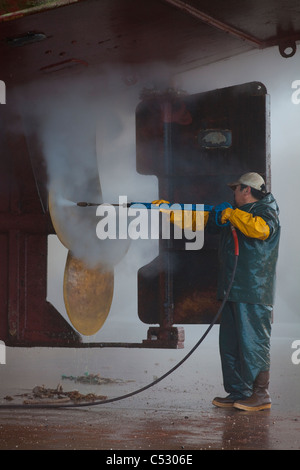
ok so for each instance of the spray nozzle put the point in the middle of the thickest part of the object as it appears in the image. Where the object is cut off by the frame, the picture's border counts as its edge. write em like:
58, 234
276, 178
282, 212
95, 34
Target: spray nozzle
87, 204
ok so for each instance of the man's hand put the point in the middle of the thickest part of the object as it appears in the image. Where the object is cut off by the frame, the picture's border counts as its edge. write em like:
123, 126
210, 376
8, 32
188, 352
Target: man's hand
226, 213
157, 202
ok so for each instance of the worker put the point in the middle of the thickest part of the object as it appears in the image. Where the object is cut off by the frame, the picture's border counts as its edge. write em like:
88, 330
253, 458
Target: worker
245, 326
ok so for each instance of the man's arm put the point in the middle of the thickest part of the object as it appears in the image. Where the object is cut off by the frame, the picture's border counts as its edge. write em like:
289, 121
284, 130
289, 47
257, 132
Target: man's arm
250, 225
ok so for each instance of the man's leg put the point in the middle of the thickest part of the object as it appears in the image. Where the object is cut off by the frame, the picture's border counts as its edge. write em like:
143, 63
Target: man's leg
231, 358
255, 332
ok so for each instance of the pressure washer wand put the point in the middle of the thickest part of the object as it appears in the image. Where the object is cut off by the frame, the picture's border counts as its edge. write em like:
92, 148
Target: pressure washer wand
90, 204
150, 205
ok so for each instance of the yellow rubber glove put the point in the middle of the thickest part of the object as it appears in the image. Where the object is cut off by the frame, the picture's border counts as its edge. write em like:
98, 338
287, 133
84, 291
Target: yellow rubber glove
157, 202
206, 215
190, 220
226, 213
249, 225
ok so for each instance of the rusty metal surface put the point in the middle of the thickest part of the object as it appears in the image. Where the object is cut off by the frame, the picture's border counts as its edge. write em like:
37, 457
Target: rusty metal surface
10, 10
26, 318
63, 38
236, 19
88, 295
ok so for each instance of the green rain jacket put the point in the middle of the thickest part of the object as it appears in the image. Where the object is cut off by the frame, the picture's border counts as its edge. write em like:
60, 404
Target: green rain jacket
256, 269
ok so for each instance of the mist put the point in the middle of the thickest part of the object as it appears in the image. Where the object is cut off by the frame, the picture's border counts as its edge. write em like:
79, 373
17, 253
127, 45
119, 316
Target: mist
86, 131
87, 128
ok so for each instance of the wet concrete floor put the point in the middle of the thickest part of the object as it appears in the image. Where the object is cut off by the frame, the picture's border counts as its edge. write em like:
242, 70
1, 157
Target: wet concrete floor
117, 428
175, 414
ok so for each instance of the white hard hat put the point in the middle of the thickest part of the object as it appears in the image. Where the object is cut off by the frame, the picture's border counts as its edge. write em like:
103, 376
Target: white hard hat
254, 180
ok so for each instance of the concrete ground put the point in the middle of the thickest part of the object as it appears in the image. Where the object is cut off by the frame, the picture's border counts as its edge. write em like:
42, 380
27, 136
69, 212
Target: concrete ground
175, 414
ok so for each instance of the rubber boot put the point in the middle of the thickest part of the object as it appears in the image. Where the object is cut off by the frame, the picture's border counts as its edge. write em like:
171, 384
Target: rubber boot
225, 402
260, 398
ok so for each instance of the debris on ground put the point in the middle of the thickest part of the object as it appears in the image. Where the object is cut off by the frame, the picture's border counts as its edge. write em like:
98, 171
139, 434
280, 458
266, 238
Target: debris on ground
92, 379
41, 394
8, 398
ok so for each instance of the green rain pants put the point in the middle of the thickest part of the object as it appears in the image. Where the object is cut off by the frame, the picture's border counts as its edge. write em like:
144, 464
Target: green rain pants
245, 332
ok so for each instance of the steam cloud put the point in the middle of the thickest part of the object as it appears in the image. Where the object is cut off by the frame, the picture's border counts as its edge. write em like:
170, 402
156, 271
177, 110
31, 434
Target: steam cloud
87, 131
